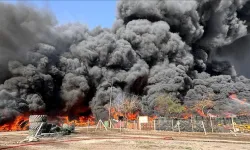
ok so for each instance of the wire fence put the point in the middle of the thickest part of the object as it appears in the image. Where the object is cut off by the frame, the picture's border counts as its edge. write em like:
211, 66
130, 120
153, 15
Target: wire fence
206, 125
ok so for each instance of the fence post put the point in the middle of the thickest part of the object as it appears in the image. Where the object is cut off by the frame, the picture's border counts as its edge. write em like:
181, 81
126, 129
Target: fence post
104, 125
154, 125
109, 123
100, 123
233, 124
97, 125
192, 124
204, 127
88, 126
178, 124
37, 132
211, 123
172, 125
120, 126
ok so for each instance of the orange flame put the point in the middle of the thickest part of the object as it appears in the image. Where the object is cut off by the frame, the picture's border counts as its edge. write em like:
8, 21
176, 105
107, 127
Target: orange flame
81, 121
22, 122
234, 97
186, 115
151, 118
19, 124
200, 113
115, 114
132, 116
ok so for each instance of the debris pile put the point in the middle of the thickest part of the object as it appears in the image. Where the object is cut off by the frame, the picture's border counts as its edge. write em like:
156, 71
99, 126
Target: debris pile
37, 124
40, 127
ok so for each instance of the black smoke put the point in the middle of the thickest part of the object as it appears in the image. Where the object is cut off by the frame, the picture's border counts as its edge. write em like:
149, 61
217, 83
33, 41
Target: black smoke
184, 48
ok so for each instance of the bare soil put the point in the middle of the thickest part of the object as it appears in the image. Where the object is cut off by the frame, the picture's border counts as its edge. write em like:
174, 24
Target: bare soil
127, 140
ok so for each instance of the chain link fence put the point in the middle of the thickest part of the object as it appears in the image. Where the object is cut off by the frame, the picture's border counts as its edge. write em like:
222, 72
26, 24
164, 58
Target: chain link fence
196, 124
238, 124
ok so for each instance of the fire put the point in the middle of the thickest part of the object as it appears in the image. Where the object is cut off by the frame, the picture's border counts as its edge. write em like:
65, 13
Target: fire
200, 113
186, 115
115, 114
20, 123
132, 116
151, 118
81, 121
234, 97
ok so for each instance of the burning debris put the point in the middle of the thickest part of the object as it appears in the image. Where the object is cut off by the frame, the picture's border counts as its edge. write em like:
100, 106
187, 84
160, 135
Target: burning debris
20, 123
154, 47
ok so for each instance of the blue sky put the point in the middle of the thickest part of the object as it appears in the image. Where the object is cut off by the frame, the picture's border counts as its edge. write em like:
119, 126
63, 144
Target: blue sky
89, 12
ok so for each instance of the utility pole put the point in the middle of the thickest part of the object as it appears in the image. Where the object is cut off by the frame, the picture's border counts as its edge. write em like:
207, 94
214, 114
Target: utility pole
110, 101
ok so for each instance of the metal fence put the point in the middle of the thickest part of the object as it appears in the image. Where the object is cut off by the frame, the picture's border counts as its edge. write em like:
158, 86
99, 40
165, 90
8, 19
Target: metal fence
198, 124
204, 124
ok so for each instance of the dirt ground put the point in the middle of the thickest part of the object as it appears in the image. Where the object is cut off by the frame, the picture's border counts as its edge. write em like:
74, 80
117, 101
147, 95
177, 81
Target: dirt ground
127, 140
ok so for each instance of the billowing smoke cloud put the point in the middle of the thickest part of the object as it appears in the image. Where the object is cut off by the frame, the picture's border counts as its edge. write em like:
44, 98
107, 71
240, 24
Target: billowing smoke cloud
11, 106
183, 48
237, 53
21, 28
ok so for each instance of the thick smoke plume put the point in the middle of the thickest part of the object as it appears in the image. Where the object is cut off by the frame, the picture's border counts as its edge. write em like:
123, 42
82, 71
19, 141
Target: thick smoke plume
184, 48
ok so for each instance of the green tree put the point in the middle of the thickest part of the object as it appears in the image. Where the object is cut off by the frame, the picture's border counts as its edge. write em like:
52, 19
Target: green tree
168, 106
